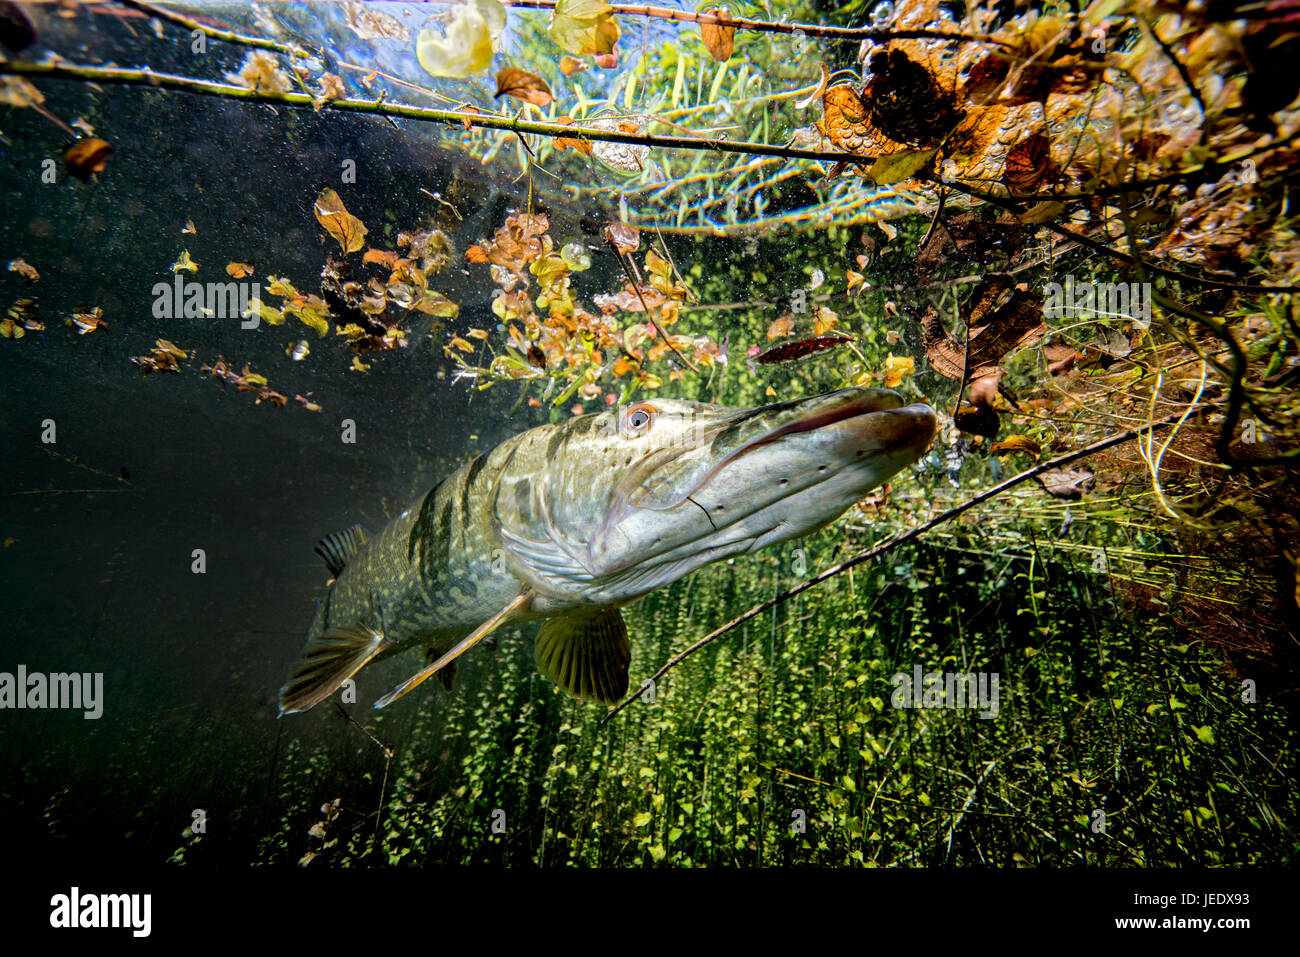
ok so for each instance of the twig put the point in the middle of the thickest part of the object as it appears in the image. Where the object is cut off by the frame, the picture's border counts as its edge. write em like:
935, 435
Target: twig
146, 77
893, 543
216, 33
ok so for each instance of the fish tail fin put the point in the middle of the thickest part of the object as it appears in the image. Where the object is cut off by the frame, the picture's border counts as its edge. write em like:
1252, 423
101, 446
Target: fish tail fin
328, 661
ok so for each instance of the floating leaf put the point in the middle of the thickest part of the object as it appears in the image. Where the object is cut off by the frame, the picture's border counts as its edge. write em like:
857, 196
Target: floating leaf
339, 223
466, 47
239, 270
719, 39
584, 27
1029, 163
359, 366
86, 157
185, 263
523, 85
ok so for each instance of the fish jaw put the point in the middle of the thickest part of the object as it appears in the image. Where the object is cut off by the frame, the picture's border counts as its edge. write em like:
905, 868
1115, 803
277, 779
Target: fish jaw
752, 478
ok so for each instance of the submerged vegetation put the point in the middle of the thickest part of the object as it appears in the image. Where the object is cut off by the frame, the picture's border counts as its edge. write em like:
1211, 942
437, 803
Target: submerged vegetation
1055, 223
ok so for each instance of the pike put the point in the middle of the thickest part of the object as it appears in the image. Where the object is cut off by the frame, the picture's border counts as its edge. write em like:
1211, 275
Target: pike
570, 522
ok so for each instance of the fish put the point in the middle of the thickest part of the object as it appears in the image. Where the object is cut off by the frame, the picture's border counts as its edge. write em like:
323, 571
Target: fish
570, 522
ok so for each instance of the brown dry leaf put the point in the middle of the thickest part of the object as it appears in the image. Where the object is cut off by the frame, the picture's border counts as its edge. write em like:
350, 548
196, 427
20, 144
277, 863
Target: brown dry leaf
1029, 163
338, 222
1001, 317
87, 157
239, 270
720, 40
568, 142
383, 257
984, 390
24, 269
523, 85
569, 65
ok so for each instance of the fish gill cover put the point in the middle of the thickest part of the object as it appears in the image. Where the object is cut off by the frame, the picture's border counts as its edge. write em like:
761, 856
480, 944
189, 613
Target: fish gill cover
276, 270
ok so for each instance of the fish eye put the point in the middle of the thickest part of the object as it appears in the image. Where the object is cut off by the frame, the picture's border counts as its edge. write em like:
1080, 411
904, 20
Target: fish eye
639, 418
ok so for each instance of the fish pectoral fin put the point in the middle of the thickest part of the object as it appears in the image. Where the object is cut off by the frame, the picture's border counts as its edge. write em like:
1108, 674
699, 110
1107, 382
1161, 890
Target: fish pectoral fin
337, 549
516, 607
586, 655
328, 661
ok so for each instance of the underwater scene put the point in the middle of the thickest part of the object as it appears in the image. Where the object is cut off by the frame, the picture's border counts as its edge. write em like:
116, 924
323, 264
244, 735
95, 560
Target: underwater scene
795, 434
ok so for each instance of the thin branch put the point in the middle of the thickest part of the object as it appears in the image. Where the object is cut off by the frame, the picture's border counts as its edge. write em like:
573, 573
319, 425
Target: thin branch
216, 33
893, 543
146, 77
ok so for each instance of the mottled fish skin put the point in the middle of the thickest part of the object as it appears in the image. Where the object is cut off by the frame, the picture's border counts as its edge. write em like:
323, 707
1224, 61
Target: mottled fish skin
596, 511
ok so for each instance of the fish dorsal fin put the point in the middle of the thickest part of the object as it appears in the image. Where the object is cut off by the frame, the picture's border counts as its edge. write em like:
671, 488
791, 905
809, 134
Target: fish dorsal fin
328, 661
586, 655
338, 549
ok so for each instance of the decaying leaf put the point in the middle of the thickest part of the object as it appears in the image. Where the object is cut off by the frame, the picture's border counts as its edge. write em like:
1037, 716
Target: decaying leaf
239, 270
261, 71
87, 157
185, 263
1072, 482
85, 322
624, 238
523, 85
1001, 317
339, 223
24, 269
584, 27
466, 47
1029, 163
719, 39
370, 24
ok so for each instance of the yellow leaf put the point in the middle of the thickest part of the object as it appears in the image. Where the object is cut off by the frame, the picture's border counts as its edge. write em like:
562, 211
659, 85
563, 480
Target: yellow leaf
466, 47
239, 270
459, 343
896, 367
339, 223
359, 365
899, 166
185, 262
584, 27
